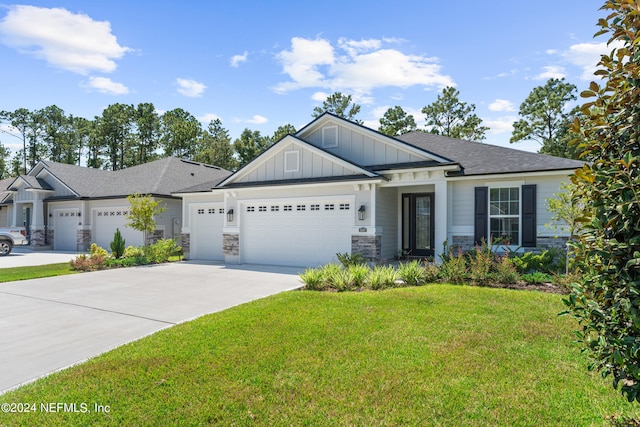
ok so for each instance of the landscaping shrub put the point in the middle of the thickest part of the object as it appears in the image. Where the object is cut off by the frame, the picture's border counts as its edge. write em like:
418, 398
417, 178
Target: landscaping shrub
96, 260
382, 277
133, 252
454, 269
329, 273
431, 272
359, 273
536, 278
117, 245
480, 263
343, 280
504, 270
313, 279
347, 260
162, 250
412, 273
98, 251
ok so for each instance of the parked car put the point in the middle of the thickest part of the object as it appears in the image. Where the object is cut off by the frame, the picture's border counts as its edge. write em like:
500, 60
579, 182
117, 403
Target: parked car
10, 237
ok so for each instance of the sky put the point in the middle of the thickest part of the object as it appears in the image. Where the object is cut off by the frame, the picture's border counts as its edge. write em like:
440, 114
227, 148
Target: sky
263, 64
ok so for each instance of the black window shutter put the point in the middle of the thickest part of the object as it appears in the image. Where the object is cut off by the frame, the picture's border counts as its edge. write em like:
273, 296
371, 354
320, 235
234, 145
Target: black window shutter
529, 228
481, 212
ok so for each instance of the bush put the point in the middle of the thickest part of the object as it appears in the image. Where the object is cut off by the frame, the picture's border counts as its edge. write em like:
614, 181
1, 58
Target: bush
382, 277
313, 279
536, 278
117, 245
454, 269
98, 251
431, 272
504, 270
359, 274
342, 280
480, 263
162, 250
347, 260
133, 252
95, 261
412, 273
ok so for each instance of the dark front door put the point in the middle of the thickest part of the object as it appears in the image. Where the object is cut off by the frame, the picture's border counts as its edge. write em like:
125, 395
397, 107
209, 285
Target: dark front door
417, 224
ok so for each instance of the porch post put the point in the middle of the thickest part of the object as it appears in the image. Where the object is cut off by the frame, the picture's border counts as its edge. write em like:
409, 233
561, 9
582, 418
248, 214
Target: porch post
441, 219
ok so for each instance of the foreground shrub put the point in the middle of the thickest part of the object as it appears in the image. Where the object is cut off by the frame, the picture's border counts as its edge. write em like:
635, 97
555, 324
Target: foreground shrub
480, 263
431, 272
504, 271
347, 260
96, 260
382, 277
359, 273
313, 279
133, 252
454, 269
117, 245
536, 278
412, 273
162, 250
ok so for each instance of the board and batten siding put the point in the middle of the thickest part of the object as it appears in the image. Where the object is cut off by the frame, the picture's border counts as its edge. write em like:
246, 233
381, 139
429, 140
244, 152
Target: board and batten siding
387, 219
362, 149
310, 165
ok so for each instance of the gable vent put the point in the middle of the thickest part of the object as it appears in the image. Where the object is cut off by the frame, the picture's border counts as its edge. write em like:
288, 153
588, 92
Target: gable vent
330, 137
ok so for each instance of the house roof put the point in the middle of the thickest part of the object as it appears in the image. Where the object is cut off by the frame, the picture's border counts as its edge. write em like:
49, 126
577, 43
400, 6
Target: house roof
477, 158
161, 177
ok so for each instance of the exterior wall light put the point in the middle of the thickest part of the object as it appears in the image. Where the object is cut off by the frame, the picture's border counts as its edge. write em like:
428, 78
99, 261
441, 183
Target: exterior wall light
230, 215
361, 212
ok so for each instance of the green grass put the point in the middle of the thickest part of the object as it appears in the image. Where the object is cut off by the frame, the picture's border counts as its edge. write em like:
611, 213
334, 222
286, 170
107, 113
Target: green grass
34, 272
436, 355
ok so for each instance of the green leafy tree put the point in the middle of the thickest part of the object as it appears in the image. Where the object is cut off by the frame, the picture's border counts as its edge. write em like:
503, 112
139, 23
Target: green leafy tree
142, 214
147, 135
216, 148
55, 132
30, 125
5, 153
396, 121
545, 119
249, 145
451, 117
606, 302
180, 132
113, 130
283, 131
340, 105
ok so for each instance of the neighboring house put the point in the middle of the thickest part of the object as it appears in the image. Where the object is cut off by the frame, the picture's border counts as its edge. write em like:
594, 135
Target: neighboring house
68, 207
336, 186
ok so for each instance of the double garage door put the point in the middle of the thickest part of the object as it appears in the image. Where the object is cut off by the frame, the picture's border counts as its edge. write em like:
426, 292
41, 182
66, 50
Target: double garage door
296, 233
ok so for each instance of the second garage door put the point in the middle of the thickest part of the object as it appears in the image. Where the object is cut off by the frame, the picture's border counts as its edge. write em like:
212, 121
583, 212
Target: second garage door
296, 233
206, 243
107, 220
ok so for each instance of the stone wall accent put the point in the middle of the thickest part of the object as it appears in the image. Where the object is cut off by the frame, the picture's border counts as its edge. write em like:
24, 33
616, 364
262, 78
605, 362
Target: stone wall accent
83, 240
185, 240
38, 238
369, 247
461, 242
153, 238
231, 244
50, 235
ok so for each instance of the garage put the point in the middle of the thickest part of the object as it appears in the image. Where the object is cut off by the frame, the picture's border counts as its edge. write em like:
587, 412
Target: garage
65, 234
105, 223
295, 233
208, 219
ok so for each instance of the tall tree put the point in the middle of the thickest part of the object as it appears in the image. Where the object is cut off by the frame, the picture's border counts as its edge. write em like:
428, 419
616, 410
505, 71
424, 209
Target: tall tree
114, 131
451, 117
249, 145
5, 168
283, 131
606, 301
30, 125
396, 121
216, 148
340, 105
147, 134
545, 117
54, 132
180, 133
78, 135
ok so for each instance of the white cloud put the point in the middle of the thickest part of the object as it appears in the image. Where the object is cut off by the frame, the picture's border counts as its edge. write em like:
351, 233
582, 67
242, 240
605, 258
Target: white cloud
106, 85
65, 40
587, 56
500, 125
190, 88
209, 117
501, 105
551, 72
355, 67
320, 96
237, 59
257, 120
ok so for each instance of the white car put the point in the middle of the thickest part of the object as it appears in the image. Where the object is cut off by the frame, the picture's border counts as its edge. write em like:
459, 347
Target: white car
10, 237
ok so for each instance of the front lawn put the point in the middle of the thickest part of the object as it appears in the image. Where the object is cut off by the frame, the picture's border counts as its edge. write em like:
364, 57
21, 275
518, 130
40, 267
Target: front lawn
34, 272
433, 355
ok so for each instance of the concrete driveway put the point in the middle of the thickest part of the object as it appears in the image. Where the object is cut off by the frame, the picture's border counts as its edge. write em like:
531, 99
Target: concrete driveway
24, 257
53, 323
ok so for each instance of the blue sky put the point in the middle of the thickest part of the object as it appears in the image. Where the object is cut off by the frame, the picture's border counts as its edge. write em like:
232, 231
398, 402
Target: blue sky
262, 64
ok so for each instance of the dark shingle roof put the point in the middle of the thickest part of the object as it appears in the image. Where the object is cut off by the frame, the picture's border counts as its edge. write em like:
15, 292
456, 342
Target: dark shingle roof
477, 158
161, 177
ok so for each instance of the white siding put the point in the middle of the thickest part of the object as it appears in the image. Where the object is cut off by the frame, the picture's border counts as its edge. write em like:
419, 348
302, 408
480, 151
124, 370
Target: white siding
387, 219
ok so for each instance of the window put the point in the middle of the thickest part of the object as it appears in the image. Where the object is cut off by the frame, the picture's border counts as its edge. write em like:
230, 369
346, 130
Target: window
504, 215
292, 161
262, 208
275, 208
221, 210
301, 207
330, 137
251, 208
211, 211
344, 206
200, 211
315, 207
287, 208
329, 207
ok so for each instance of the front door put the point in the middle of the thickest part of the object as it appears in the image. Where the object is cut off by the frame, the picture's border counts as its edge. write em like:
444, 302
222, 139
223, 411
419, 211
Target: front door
417, 224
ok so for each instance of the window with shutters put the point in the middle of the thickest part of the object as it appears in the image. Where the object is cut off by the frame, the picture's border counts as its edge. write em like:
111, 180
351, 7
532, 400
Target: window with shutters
504, 215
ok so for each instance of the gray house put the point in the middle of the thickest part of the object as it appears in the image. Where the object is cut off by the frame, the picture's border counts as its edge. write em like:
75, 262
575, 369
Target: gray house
67, 207
336, 186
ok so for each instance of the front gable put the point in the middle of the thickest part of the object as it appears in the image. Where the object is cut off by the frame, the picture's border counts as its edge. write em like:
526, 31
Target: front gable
361, 145
293, 159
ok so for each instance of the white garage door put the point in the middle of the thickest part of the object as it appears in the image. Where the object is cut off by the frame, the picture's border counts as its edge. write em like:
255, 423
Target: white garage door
296, 233
65, 231
105, 223
207, 221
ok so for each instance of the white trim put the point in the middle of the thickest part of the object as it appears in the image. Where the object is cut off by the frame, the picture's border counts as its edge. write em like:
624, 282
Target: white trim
332, 142
516, 175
